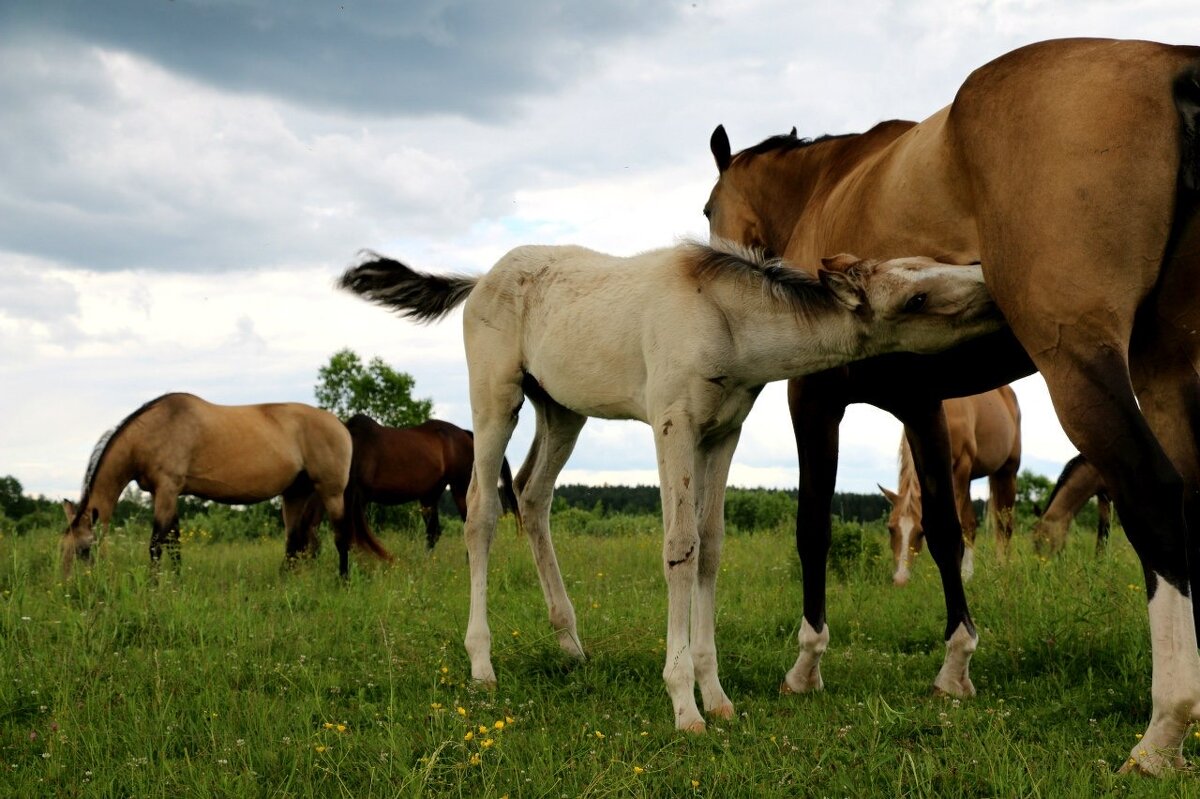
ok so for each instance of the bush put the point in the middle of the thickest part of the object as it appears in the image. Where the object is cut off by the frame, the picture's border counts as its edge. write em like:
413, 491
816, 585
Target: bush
854, 548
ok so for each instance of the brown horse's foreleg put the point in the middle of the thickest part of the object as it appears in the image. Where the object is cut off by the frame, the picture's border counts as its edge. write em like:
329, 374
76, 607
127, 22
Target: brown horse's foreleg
301, 514
929, 439
817, 404
433, 523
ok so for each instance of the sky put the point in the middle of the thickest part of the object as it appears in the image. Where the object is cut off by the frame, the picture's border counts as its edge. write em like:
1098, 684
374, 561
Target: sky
181, 182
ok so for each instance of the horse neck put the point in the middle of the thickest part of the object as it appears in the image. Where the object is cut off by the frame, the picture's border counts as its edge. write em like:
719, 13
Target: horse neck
777, 342
113, 473
779, 187
1070, 497
909, 488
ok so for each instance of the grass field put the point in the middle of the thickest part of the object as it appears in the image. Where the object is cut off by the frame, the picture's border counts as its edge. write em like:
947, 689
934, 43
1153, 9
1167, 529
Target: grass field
234, 679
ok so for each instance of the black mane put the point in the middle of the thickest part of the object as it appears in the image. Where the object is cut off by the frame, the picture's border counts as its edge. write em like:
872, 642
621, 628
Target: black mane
102, 448
801, 290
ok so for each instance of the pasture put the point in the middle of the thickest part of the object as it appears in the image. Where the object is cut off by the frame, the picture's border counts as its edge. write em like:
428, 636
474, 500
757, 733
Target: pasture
234, 679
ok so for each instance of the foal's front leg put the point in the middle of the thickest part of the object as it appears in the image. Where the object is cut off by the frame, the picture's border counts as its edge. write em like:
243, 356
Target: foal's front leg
675, 441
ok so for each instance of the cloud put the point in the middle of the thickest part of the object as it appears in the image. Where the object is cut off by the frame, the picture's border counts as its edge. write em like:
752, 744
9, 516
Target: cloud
476, 58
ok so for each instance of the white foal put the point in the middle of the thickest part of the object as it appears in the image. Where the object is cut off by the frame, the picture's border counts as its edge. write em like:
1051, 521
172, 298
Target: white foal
683, 339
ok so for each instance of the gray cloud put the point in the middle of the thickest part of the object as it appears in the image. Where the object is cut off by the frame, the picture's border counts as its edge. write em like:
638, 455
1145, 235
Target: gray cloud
469, 57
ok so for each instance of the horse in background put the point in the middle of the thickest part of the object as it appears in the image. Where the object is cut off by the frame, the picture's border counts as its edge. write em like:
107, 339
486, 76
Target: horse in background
1071, 169
233, 454
394, 465
683, 339
985, 441
1078, 483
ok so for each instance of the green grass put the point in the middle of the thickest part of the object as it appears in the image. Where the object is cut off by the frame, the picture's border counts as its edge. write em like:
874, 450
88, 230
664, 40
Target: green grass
231, 678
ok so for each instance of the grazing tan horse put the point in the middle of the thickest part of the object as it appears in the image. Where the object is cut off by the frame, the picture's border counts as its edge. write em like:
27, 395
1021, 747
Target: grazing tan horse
235, 454
394, 465
1078, 483
1071, 169
682, 339
985, 441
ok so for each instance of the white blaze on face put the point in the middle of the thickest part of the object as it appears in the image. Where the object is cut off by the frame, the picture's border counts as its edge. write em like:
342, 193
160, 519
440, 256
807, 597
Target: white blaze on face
906, 526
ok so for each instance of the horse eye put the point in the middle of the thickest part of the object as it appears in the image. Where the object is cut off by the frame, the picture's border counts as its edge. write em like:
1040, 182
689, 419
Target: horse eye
915, 302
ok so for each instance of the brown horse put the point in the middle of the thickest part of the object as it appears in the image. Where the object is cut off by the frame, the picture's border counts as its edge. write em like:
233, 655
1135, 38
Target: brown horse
1071, 169
985, 441
1078, 483
234, 454
394, 465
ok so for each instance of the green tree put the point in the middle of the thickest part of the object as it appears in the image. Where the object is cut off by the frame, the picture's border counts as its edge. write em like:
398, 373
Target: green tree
346, 386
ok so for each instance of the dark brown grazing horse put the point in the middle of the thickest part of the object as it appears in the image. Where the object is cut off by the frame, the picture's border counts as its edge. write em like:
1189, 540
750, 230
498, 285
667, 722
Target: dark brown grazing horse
1071, 170
1078, 483
394, 465
985, 441
235, 454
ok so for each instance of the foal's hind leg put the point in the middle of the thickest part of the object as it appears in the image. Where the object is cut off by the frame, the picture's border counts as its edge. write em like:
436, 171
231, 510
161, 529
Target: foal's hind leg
712, 472
494, 406
554, 439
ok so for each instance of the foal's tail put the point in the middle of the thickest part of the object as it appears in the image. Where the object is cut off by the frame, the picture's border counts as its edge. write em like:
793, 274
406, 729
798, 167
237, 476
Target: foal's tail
417, 295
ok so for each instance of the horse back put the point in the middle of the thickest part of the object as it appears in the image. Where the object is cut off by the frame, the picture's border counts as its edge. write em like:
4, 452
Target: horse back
399, 464
240, 452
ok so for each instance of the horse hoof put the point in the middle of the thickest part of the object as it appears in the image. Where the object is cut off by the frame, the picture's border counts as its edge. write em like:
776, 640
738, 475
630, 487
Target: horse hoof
724, 711
795, 684
963, 689
697, 727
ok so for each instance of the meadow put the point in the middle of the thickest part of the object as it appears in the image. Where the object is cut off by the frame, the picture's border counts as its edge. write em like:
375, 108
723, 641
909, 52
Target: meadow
236, 678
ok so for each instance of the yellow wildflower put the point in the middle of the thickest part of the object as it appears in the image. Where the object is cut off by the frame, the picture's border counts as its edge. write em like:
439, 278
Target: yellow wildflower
476, 759
470, 734
482, 729
599, 734
462, 711
329, 725
695, 784
436, 705
639, 770
499, 725
321, 748
510, 720
341, 728
486, 743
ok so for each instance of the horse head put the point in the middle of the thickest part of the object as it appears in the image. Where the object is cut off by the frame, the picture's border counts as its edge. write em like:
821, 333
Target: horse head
80, 536
911, 304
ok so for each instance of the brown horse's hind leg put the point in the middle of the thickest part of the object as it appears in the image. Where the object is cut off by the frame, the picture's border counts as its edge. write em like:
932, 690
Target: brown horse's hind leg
301, 515
966, 511
1093, 395
165, 532
1002, 500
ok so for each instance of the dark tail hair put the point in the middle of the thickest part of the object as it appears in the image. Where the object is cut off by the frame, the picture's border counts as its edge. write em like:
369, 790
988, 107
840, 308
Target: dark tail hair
508, 497
356, 517
1187, 100
416, 295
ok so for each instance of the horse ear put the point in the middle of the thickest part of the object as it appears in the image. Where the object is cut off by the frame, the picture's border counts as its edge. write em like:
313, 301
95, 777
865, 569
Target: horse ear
840, 262
69, 508
793, 131
719, 144
844, 290
892, 496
